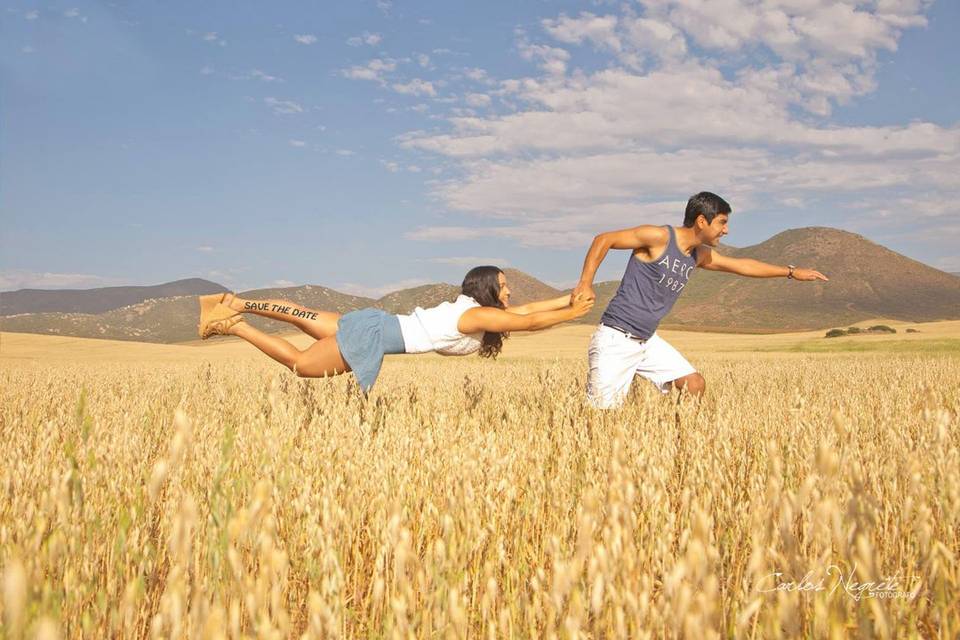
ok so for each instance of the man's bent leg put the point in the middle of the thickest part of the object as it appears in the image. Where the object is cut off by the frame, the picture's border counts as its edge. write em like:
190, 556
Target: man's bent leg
613, 359
664, 366
693, 384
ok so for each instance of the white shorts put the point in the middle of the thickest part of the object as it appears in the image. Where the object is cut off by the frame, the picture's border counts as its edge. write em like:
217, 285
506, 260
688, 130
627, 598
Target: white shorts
615, 359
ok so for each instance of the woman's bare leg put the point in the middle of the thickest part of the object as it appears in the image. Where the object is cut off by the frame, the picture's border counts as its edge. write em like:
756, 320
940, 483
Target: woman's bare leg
316, 324
322, 358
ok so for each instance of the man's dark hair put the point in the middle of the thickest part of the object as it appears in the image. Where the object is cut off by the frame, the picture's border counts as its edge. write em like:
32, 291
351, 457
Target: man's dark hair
706, 204
483, 285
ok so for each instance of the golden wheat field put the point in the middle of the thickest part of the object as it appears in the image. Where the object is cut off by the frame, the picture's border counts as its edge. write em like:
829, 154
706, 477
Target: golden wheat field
206, 492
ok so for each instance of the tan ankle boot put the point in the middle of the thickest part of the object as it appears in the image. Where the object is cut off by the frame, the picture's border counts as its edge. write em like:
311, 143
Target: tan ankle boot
219, 318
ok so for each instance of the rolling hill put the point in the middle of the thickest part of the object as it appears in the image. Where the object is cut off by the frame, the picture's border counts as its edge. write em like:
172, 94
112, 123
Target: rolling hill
525, 288
867, 281
172, 319
428, 295
100, 299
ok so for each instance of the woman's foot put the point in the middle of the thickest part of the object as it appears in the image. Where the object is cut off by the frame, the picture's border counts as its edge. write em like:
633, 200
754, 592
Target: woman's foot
233, 301
208, 302
221, 319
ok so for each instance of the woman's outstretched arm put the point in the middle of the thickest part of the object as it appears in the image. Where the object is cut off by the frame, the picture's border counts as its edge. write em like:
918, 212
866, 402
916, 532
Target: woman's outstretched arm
500, 321
541, 305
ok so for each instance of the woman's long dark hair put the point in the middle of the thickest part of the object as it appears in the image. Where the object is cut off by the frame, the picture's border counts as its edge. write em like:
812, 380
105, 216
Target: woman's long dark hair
483, 285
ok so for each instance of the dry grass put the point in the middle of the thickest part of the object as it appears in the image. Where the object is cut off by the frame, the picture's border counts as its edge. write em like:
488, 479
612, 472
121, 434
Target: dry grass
477, 499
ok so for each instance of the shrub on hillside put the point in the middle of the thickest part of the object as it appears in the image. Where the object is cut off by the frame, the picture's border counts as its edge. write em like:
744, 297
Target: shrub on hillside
835, 333
853, 330
913, 331
882, 328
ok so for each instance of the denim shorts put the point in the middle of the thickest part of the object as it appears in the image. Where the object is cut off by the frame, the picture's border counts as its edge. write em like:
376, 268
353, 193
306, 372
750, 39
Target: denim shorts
364, 336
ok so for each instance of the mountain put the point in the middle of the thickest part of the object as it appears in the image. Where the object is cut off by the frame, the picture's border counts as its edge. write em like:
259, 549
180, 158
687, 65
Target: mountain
100, 299
427, 295
172, 319
867, 281
525, 288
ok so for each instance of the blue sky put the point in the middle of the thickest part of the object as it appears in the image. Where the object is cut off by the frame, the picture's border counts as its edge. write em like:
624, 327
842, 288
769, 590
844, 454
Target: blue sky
370, 146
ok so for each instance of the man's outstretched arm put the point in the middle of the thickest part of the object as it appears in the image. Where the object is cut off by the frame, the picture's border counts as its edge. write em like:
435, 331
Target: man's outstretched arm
710, 259
640, 237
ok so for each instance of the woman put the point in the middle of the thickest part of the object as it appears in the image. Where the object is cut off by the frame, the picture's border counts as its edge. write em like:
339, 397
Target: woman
477, 321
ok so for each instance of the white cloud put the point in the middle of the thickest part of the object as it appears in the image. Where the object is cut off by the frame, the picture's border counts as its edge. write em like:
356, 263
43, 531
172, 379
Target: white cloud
695, 95
283, 107
27, 49
929, 207
385, 6
31, 15
600, 30
553, 60
821, 40
306, 38
478, 100
13, 279
924, 208
211, 36
607, 184
71, 13
283, 283
395, 167
205, 248
345, 152
478, 75
423, 60
653, 37
257, 74
297, 143
694, 105
372, 39
416, 87
374, 70
206, 70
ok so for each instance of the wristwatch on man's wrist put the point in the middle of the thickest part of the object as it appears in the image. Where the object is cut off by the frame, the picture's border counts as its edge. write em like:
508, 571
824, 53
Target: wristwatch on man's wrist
790, 274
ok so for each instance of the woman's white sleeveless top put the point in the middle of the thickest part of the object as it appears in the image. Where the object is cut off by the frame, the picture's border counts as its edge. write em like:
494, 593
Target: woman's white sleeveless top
435, 329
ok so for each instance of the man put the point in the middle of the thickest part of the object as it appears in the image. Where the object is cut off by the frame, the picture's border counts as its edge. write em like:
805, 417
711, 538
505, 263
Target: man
626, 344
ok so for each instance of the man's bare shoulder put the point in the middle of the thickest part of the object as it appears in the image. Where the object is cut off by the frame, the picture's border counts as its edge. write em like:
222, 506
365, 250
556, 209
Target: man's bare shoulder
654, 240
704, 255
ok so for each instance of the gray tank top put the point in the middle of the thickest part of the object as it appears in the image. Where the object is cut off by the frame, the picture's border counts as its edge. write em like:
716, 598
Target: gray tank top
649, 289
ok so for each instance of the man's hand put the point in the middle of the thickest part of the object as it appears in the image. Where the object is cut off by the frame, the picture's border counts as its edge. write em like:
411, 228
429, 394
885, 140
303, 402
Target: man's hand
581, 305
583, 291
808, 275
